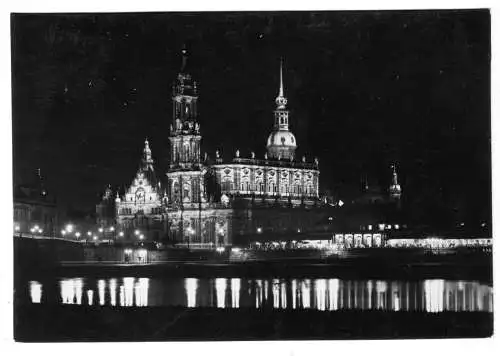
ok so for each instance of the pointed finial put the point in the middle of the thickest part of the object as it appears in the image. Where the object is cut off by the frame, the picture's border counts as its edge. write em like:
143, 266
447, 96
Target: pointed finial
184, 57
281, 78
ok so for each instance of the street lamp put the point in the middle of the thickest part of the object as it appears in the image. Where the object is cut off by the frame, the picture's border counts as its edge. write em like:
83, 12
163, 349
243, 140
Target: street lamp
63, 232
77, 234
136, 232
101, 229
121, 233
141, 237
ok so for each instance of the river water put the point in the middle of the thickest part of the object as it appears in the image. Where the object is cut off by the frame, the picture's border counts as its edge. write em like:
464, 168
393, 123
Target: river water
432, 295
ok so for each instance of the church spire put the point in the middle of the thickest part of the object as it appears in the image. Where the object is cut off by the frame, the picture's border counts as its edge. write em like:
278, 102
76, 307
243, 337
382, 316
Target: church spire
281, 142
147, 160
281, 79
184, 52
394, 188
281, 101
394, 175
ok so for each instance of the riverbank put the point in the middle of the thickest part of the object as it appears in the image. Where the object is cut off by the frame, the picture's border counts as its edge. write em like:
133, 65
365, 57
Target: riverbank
283, 269
49, 323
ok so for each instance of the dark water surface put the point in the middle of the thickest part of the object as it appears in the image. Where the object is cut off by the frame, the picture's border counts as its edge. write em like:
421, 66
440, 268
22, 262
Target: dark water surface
430, 295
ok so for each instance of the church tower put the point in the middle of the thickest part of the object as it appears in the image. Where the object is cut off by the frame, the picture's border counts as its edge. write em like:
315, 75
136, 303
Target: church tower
281, 142
185, 183
395, 188
185, 130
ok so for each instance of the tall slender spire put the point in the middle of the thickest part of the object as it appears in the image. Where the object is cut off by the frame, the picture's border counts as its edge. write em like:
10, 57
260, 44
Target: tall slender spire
184, 58
281, 93
394, 175
280, 99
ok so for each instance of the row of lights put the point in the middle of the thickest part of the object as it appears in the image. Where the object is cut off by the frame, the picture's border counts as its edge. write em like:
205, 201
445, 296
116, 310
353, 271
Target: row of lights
69, 229
384, 227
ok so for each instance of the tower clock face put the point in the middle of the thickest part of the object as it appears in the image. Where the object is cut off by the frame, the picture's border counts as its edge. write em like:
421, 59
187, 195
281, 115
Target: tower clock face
140, 195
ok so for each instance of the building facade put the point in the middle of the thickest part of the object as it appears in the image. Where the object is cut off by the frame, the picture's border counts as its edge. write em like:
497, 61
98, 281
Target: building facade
218, 203
35, 210
140, 211
211, 203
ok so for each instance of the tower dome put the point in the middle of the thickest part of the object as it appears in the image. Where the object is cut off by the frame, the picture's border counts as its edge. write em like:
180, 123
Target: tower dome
281, 142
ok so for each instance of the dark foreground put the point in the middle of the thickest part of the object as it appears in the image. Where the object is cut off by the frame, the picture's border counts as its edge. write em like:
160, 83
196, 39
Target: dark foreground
35, 323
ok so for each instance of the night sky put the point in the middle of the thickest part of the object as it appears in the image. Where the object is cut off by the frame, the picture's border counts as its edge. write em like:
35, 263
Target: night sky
364, 89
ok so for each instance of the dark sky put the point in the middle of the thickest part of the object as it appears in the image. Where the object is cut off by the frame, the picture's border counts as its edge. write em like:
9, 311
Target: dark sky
364, 89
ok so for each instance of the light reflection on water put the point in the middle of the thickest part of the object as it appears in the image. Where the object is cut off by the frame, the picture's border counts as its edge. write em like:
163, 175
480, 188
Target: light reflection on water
433, 295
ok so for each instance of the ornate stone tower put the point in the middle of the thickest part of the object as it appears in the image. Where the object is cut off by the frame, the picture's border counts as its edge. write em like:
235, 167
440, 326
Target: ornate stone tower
185, 183
281, 143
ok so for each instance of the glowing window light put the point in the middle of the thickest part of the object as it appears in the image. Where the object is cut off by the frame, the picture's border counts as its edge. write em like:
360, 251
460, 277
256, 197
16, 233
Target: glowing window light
63, 232
17, 228
191, 286
220, 288
381, 226
121, 233
220, 249
101, 229
266, 290
370, 227
35, 292
143, 254
69, 228
235, 292
101, 287
111, 229
396, 226
89, 233
236, 249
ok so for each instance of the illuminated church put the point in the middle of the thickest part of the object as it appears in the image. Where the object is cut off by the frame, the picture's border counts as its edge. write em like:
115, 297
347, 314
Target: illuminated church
208, 203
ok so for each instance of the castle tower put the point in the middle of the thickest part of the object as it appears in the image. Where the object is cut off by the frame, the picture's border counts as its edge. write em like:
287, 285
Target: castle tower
281, 142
